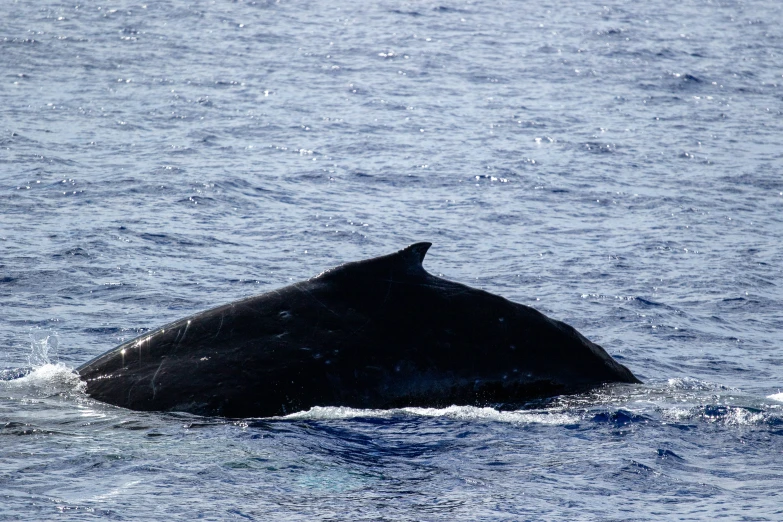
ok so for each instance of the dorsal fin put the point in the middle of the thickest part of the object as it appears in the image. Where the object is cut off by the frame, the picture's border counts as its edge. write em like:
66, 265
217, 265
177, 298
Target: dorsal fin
413, 255
407, 261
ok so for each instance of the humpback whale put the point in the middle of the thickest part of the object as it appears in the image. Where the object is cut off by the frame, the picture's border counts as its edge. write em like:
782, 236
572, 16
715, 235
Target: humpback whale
378, 333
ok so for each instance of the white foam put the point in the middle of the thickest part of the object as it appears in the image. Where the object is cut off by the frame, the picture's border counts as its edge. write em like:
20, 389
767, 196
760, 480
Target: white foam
453, 412
677, 414
690, 384
743, 417
776, 397
516, 417
46, 379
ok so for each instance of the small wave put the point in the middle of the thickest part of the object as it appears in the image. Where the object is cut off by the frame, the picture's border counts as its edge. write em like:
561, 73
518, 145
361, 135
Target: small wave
452, 412
600, 148
734, 416
776, 396
409, 13
665, 454
691, 384
447, 9
723, 415
620, 418
648, 302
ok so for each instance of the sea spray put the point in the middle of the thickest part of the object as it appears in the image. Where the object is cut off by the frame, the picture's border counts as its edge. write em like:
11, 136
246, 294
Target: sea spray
46, 376
44, 345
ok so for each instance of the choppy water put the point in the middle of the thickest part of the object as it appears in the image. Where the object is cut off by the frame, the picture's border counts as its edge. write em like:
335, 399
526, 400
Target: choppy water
617, 166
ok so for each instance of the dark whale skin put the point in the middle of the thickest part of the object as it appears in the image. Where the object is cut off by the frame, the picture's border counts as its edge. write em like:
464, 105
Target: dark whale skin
379, 333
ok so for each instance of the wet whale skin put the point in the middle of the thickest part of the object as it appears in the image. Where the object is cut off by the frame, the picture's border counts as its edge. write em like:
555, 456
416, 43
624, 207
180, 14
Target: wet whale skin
379, 333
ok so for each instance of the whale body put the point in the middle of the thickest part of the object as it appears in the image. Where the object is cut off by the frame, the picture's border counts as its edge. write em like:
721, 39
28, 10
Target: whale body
378, 333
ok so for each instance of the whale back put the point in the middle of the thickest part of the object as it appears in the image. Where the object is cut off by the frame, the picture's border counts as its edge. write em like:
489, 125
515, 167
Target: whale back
377, 333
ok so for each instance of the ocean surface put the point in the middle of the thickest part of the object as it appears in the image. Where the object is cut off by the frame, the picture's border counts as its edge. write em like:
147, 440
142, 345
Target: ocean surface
616, 165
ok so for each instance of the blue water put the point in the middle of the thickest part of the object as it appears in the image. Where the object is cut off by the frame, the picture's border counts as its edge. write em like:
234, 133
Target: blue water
617, 166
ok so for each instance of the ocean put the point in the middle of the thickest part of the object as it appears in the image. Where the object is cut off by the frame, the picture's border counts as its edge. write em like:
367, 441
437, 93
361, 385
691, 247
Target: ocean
615, 165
